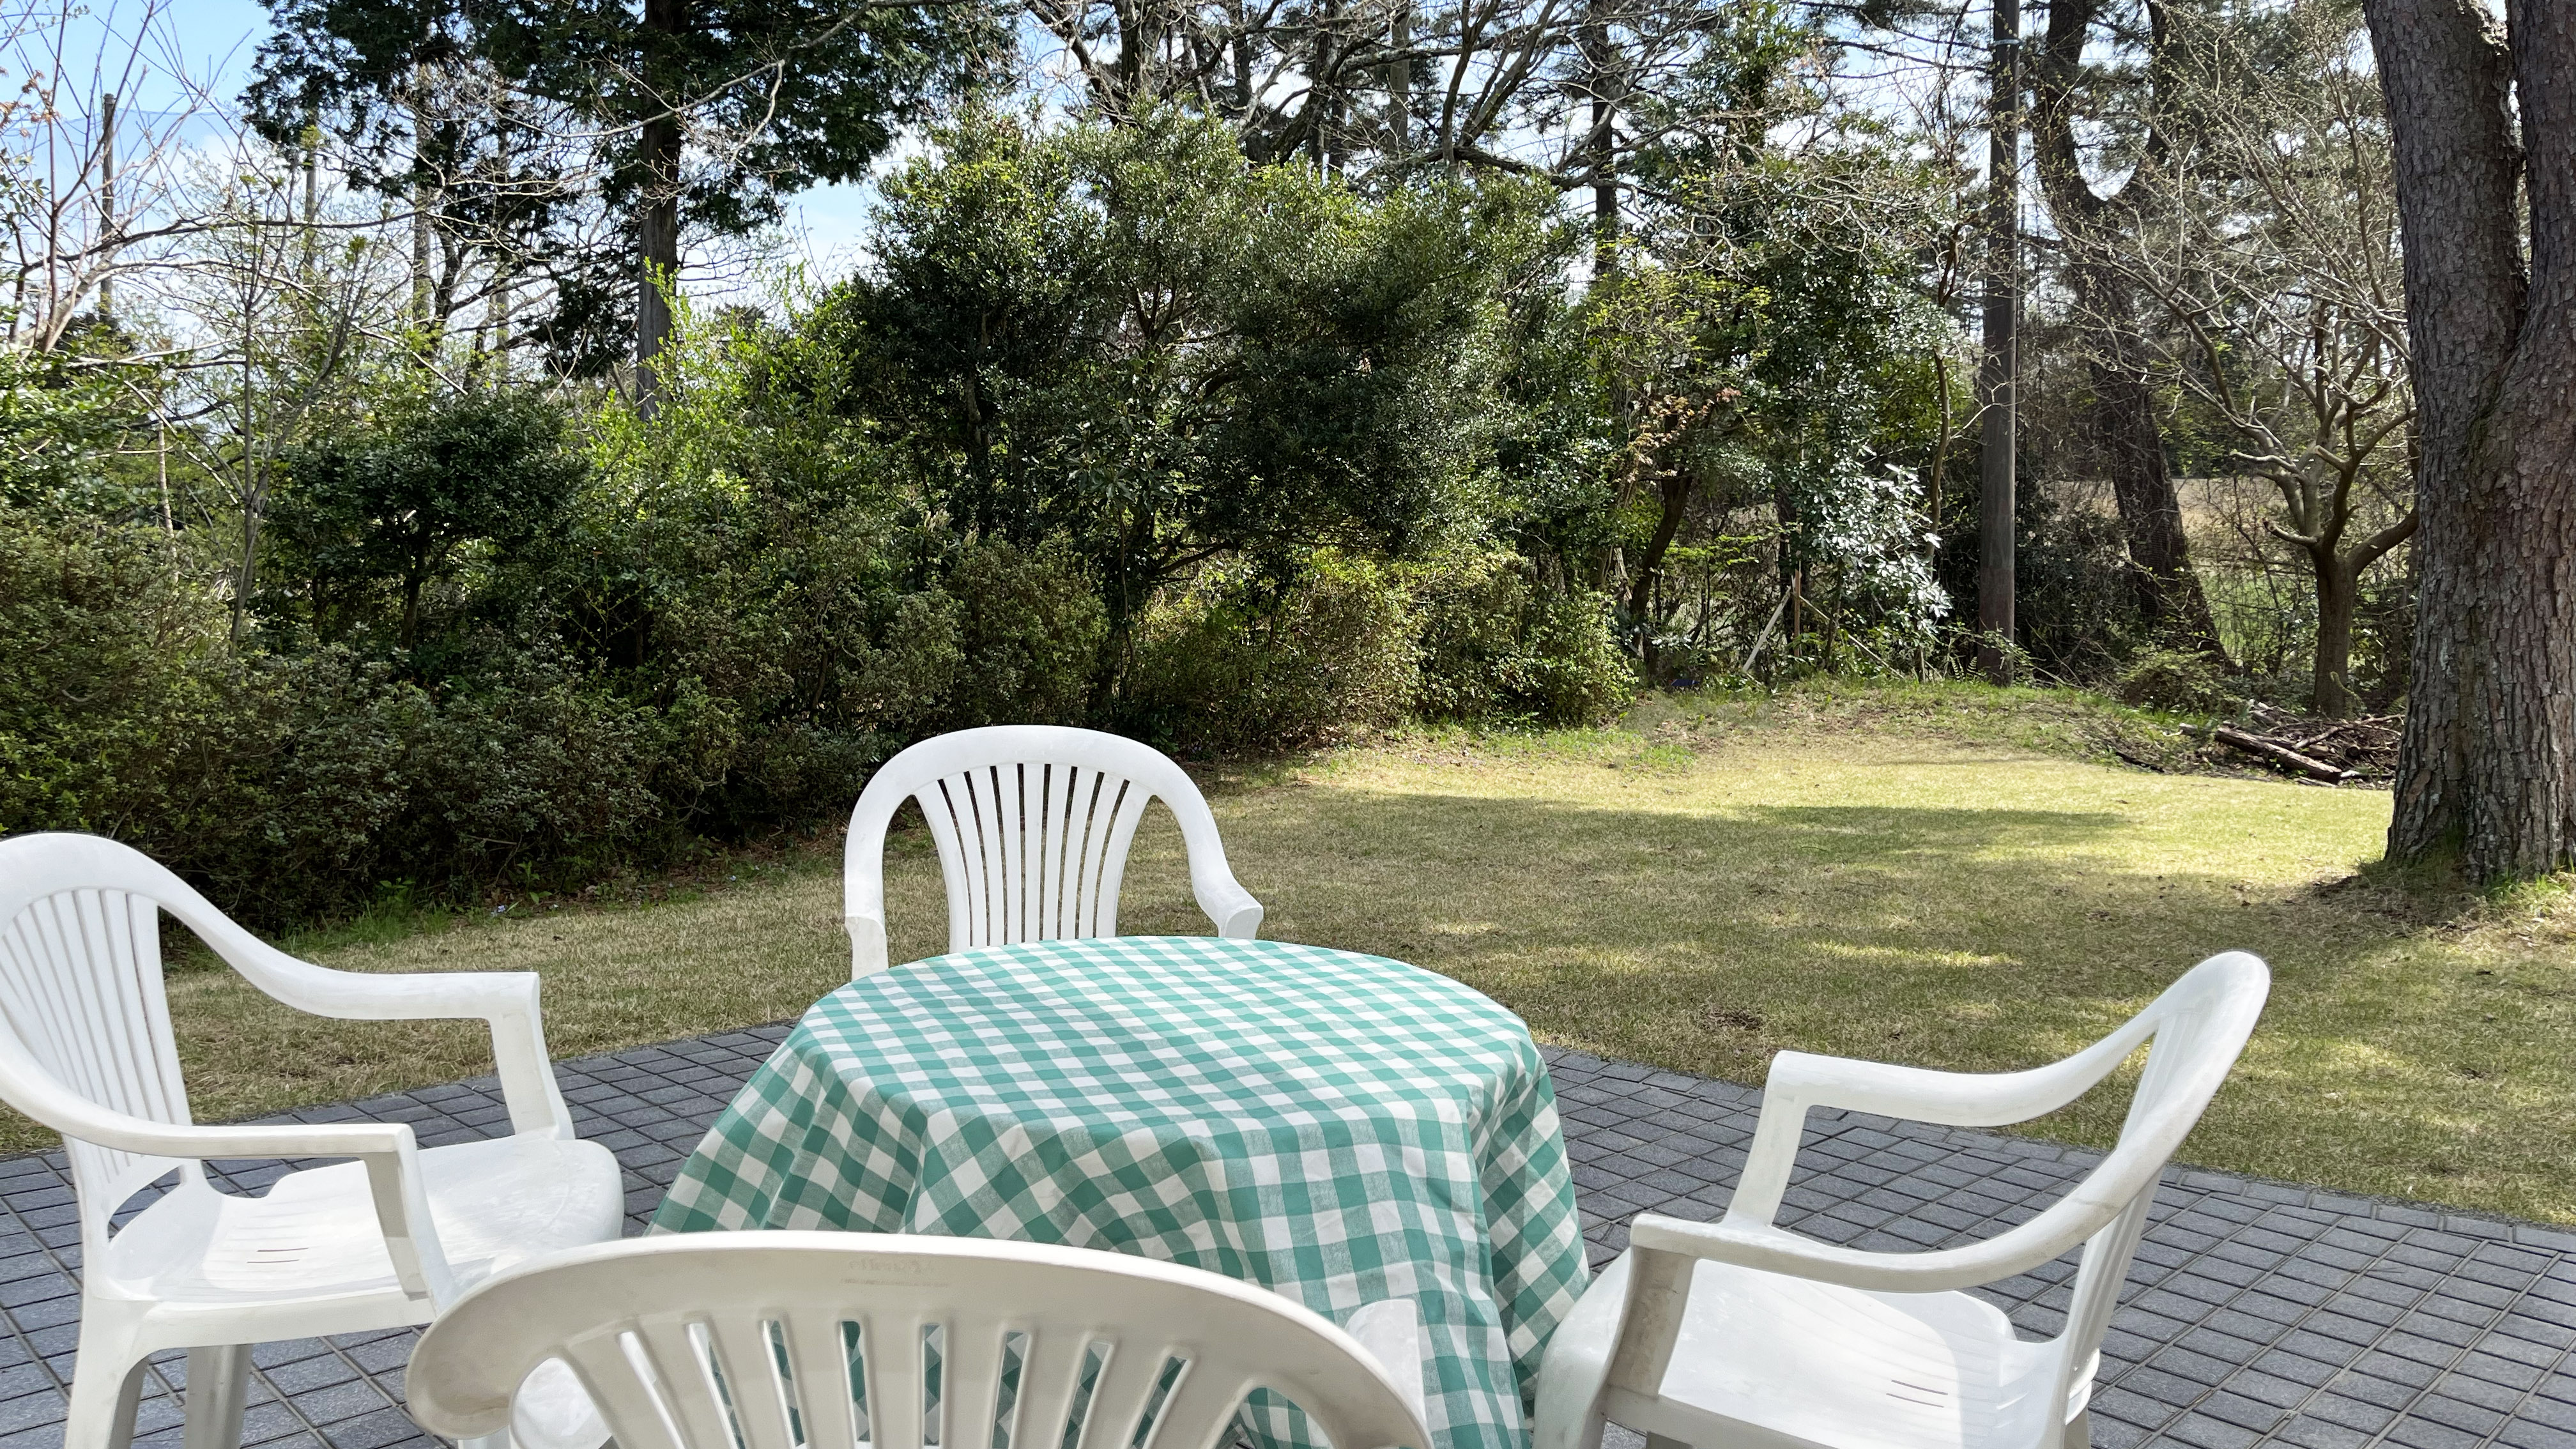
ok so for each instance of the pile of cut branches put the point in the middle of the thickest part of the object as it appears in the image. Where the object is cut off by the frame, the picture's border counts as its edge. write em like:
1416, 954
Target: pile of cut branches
2334, 751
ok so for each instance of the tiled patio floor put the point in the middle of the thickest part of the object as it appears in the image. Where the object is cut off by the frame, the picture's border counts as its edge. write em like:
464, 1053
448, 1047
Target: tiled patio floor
2256, 1311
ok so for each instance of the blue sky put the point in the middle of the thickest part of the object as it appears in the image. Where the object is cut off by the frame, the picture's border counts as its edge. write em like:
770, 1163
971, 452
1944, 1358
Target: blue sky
218, 36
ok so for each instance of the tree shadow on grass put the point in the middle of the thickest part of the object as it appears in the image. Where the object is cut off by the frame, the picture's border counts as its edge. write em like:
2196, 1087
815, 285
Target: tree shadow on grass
1878, 831
1989, 900
1962, 937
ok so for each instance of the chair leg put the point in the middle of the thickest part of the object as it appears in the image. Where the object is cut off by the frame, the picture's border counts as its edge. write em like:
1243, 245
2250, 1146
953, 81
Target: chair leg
1658, 1441
102, 1408
218, 1390
2079, 1431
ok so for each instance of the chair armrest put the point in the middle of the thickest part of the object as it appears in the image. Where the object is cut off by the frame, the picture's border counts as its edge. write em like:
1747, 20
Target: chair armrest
1231, 908
552, 1410
1799, 1081
386, 1149
1236, 915
1391, 1330
1921, 1094
381, 996
507, 1000
1776, 1250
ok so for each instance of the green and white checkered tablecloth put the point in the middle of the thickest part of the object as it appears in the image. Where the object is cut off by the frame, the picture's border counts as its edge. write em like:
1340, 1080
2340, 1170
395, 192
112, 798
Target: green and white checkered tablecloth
1339, 1128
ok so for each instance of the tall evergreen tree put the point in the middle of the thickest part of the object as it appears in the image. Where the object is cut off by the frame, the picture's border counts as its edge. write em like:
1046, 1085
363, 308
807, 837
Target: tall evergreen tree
691, 115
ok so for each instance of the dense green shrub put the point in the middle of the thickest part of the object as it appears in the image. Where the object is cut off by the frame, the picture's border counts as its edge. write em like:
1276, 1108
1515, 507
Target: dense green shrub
1133, 342
291, 786
119, 702
375, 518
63, 430
1030, 628
1495, 647
1228, 666
301, 783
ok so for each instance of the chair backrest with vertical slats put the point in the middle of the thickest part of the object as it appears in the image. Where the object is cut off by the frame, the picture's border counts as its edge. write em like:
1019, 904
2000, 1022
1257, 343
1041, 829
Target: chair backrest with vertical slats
772, 1340
1033, 850
1032, 822
81, 991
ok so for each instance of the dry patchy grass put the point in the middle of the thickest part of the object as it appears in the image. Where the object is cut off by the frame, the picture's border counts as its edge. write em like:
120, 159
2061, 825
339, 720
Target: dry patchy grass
1713, 883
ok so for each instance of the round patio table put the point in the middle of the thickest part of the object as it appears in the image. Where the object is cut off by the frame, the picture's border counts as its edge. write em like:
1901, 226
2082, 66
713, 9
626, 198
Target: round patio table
1336, 1127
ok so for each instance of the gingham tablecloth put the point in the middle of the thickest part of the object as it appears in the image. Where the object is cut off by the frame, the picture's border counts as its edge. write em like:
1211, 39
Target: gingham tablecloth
1339, 1128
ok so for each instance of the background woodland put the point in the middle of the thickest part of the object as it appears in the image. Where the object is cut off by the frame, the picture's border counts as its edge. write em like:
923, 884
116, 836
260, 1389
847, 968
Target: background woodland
438, 480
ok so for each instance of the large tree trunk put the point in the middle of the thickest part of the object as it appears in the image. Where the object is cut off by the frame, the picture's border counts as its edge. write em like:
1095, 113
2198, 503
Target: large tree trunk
657, 222
2488, 759
2132, 446
1672, 497
657, 245
2123, 417
423, 195
2330, 678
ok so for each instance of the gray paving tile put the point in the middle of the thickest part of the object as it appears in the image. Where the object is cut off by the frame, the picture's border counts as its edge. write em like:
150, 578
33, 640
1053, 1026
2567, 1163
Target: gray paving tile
2258, 1312
2312, 1433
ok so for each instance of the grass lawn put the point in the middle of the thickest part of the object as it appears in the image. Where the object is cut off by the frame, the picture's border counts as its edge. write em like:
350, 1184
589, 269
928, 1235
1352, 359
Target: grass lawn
1934, 877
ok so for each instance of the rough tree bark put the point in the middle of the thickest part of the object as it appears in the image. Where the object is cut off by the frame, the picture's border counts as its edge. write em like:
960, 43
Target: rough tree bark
2488, 760
2123, 417
657, 219
2133, 451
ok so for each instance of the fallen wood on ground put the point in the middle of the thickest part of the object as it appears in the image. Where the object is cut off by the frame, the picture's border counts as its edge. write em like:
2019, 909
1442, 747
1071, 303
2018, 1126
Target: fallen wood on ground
2279, 754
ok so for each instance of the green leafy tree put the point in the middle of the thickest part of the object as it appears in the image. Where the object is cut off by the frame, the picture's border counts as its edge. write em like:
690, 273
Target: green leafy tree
1762, 348
1133, 338
61, 422
391, 511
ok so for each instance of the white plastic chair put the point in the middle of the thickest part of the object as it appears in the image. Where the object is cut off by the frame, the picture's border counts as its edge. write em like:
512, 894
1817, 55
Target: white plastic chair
1033, 823
774, 1340
385, 1241
1740, 1333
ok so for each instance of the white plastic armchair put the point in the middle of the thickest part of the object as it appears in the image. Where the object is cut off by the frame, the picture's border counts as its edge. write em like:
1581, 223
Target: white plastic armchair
386, 1240
775, 1340
1740, 1332
1033, 824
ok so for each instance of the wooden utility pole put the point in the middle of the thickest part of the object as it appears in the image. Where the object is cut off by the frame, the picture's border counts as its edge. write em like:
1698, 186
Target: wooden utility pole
421, 195
1399, 81
657, 219
107, 204
1995, 380
312, 139
1601, 140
